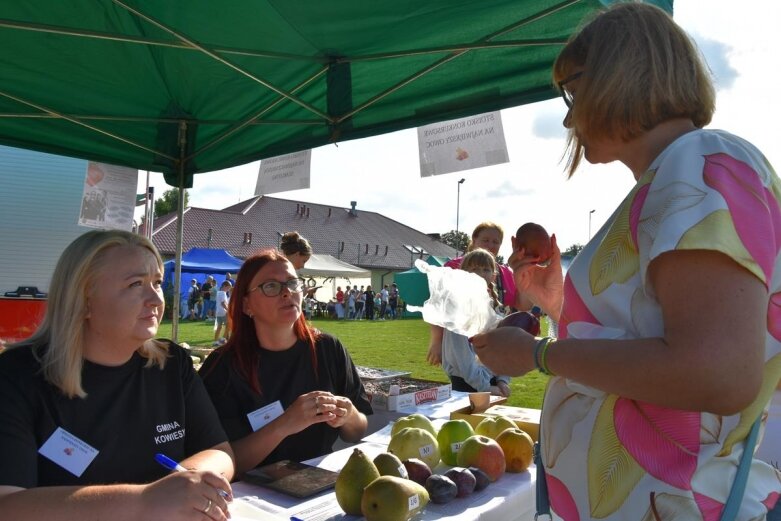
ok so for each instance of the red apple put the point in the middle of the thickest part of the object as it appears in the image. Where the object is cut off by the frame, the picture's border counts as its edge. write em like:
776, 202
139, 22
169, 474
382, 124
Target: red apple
535, 240
523, 320
484, 453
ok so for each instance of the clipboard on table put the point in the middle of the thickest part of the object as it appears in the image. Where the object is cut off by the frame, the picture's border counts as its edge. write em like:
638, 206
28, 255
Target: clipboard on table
292, 478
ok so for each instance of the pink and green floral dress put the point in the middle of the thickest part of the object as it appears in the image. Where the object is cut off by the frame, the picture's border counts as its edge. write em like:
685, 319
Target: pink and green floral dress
612, 458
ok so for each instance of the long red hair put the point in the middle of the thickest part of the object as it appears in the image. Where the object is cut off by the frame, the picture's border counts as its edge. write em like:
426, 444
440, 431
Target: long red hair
243, 340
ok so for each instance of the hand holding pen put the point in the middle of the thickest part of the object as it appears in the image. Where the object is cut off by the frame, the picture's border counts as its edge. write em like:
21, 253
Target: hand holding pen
204, 491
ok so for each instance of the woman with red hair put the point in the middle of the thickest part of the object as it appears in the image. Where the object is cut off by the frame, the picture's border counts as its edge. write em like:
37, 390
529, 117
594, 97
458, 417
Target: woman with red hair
282, 389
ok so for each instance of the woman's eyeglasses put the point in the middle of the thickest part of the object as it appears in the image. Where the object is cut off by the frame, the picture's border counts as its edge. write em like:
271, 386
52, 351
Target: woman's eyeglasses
569, 98
272, 288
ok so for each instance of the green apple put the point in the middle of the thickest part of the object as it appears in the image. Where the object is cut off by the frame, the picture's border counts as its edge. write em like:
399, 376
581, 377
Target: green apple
413, 420
450, 436
492, 426
484, 453
412, 442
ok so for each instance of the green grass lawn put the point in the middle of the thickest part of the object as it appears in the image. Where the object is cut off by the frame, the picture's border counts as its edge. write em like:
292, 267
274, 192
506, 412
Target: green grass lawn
390, 344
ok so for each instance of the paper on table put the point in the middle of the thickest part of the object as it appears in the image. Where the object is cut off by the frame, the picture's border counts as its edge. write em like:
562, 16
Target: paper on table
241, 510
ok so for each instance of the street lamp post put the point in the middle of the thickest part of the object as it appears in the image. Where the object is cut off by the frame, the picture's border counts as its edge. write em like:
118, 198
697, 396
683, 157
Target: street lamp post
589, 224
458, 209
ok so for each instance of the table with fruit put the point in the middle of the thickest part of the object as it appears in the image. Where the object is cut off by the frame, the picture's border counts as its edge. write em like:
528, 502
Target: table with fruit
421, 469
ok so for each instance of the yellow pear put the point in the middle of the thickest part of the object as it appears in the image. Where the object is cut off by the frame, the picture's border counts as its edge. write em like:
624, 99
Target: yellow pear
389, 498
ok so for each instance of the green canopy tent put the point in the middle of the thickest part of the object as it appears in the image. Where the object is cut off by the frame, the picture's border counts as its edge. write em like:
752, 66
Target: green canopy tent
188, 86
413, 285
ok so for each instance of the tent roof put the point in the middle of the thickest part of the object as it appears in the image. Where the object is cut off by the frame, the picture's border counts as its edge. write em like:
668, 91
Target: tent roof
320, 265
197, 85
207, 260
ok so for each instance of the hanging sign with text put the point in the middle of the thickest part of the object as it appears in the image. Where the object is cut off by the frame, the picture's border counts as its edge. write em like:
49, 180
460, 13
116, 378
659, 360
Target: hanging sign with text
462, 144
283, 173
109, 197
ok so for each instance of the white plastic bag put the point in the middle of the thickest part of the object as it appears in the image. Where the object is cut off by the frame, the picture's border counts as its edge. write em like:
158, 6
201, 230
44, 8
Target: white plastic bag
459, 301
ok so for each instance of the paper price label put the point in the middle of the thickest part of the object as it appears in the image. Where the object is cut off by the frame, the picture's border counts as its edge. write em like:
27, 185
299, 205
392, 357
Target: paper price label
414, 502
455, 448
403, 471
426, 450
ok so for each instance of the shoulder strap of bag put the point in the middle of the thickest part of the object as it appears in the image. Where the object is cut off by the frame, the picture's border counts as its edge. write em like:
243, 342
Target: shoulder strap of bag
735, 497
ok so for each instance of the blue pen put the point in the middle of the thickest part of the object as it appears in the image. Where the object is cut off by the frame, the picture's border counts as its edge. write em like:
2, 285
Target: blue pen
170, 464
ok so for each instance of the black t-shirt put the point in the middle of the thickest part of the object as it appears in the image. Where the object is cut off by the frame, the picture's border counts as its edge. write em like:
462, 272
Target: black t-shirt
284, 376
206, 291
131, 412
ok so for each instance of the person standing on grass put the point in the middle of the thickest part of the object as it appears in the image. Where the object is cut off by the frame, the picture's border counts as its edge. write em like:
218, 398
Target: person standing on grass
369, 295
221, 313
669, 344
360, 301
393, 300
459, 361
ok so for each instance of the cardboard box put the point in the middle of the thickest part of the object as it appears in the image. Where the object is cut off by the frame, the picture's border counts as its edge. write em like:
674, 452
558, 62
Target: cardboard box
412, 392
526, 419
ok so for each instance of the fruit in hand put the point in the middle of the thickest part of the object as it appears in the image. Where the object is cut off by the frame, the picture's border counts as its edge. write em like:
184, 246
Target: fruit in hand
481, 478
492, 426
518, 449
417, 470
390, 465
464, 480
449, 438
413, 420
484, 453
415, 443
535, 240
441, 489
523, 320
389, 498
358, 472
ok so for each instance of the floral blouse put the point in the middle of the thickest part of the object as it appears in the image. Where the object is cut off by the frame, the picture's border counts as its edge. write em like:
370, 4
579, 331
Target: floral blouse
609, 457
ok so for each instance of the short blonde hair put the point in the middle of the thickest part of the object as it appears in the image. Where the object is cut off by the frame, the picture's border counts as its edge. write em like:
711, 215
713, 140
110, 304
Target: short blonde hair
485, 225
640, 69
58, 342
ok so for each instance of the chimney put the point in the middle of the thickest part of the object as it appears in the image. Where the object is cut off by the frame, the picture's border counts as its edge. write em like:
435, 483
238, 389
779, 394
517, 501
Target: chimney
307, 213
329, 212
298, 208
353, 211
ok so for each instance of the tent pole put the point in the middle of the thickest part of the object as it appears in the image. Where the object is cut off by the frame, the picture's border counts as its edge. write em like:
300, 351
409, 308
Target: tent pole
179, 235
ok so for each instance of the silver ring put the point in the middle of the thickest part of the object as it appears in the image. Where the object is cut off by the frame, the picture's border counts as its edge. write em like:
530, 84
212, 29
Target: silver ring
208, 506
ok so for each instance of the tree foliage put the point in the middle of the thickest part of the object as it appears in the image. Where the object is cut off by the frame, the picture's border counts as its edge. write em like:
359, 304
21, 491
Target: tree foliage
169, 202
458, 240
572, 250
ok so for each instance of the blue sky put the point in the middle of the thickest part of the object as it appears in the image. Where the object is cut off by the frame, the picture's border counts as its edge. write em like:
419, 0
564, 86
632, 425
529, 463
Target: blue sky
382, 173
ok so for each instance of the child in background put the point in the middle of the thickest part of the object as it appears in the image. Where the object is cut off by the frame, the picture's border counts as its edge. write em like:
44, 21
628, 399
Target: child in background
459, 361
221, 312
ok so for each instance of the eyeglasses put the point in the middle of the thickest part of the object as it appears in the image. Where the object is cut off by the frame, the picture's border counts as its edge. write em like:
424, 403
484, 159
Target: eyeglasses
567, 96
272, 288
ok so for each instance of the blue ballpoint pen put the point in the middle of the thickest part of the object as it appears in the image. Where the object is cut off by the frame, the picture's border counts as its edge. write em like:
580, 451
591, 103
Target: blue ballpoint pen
170, 464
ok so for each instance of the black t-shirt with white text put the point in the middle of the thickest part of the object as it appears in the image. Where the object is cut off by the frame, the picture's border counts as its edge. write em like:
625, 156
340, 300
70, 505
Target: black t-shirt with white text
284, 376
131, 412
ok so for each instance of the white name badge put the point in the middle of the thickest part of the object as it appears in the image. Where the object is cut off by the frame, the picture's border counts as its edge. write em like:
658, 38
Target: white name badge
259, 418
69, 452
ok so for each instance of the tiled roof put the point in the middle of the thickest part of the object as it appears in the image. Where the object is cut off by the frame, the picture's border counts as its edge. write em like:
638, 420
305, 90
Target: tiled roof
366, 239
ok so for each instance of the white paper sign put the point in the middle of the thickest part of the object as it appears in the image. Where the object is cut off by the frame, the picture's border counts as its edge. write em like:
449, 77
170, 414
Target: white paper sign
283, 173
259, 418
68, 451
462, 144
109, 197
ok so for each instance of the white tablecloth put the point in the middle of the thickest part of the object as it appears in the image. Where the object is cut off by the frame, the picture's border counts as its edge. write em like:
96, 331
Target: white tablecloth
511, 498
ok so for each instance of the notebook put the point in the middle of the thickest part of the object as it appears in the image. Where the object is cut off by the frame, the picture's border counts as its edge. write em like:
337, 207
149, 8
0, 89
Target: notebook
292, 478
